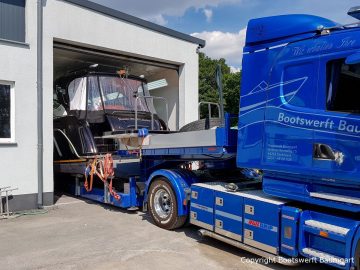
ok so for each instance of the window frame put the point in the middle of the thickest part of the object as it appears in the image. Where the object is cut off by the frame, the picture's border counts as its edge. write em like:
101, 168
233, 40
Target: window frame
15, 41
10, 140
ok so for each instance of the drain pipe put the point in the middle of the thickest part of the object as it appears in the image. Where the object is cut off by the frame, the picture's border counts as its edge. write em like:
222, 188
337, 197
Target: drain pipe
40, 147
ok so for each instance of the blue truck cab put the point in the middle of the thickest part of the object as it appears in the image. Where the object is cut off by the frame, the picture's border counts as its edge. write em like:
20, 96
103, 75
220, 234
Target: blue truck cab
299, 122
299, 117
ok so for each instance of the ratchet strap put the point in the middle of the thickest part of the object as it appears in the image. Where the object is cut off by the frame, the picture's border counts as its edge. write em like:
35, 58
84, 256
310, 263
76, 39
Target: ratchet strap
103, 168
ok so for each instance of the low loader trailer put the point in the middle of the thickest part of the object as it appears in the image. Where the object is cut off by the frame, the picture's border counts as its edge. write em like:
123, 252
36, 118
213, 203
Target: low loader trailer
285, 183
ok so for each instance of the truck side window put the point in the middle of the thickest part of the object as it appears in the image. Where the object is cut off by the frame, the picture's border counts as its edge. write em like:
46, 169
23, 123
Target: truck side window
343, 87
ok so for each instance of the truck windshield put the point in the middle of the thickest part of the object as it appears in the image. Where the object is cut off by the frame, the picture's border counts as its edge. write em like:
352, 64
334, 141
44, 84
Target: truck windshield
117, 94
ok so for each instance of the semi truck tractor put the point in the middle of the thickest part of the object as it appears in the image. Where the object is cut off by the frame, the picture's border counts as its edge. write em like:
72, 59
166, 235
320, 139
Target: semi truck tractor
285, 183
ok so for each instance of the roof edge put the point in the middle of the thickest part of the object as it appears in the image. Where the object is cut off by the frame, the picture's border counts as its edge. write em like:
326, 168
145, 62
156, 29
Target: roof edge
136, 21
282, 27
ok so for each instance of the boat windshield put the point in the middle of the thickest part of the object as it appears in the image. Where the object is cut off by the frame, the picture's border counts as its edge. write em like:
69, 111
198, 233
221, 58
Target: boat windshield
118, 94
109, 93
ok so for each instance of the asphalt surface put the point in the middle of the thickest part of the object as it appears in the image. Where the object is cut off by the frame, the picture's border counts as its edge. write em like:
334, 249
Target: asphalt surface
79, 234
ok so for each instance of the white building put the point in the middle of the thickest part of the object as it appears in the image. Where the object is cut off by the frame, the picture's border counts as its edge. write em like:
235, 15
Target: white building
74, 32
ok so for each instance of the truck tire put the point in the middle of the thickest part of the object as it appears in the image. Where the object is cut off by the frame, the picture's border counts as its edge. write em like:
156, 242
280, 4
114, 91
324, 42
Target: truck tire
163, 206
201, 124
357, 256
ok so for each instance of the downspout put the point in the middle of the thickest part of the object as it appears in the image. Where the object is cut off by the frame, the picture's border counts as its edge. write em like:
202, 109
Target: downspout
40, 147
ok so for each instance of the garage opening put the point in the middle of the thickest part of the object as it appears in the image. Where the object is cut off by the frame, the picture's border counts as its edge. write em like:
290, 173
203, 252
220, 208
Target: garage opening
98, 92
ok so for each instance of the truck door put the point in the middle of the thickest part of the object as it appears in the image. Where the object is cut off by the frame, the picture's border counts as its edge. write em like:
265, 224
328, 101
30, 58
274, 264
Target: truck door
336, 156
289, 117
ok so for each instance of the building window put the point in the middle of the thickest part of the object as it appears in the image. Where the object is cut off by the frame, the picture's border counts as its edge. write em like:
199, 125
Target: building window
12, 20
7, 112
343, 86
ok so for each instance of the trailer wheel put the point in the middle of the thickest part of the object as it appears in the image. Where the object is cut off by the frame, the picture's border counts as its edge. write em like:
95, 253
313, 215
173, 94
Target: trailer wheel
163, 205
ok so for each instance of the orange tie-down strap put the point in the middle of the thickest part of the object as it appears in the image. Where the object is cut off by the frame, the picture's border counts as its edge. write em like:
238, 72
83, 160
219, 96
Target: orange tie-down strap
103, 168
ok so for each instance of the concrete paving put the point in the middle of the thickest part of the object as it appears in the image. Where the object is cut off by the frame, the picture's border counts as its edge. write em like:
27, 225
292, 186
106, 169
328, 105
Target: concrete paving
78, 234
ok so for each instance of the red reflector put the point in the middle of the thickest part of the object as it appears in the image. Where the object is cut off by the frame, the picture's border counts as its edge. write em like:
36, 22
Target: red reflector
212, 149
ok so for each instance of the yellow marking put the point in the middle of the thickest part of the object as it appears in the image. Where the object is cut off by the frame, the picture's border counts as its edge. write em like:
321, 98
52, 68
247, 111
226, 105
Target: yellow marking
70, 161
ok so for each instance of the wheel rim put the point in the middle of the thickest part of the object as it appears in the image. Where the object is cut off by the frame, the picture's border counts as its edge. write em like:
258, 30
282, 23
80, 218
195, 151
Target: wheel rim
162, 203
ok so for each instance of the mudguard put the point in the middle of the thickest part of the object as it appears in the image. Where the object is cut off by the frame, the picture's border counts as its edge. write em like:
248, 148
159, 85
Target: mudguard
181, 181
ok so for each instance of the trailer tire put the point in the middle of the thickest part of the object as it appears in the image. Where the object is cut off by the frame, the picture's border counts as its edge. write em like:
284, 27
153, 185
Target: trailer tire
163, 205
201, 124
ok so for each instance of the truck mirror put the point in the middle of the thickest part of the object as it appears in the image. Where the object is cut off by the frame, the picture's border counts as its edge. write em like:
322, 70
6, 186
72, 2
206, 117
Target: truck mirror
354, 12
353, 59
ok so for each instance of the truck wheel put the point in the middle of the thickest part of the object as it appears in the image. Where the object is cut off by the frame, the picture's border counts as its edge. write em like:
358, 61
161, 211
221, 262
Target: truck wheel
357, 257
163, 205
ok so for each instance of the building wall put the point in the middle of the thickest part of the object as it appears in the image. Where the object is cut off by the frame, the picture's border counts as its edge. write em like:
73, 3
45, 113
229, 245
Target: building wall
18, 161
70, 23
